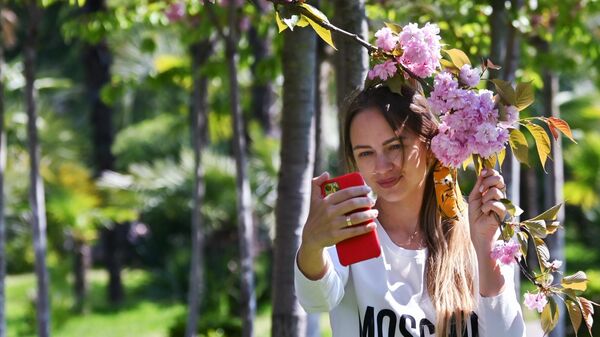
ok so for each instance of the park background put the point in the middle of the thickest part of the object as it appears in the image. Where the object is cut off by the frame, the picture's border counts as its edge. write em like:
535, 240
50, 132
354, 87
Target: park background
171, 143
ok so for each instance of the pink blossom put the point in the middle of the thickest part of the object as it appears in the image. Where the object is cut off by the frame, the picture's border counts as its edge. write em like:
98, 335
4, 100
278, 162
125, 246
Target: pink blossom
444, 82
555, 265
236, 3
511, 118
535, 301
386, 39
489, 139
450, 151
421, 49
383, 70
175, 12
469, 76
506, 252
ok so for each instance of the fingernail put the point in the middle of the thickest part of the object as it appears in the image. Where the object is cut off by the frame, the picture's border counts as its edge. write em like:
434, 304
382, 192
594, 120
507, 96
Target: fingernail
480, 188
484, 171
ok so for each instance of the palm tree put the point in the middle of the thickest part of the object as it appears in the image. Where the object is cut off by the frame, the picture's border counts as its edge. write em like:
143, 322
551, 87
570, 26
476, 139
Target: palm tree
293, 191
36, 188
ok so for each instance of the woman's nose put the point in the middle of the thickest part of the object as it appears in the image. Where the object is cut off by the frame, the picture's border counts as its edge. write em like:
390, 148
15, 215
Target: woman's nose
382, 163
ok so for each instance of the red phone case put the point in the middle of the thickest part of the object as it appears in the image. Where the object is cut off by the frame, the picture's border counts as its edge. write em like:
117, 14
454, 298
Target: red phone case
358, 248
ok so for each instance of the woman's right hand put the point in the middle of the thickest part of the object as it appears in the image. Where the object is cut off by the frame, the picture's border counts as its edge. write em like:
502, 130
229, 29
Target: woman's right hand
327, 223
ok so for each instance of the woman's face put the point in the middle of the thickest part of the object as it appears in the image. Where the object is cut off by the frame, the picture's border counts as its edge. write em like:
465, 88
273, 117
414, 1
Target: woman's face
395, 170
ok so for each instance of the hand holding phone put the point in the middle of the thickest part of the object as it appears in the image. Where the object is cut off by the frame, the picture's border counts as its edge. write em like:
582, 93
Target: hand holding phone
361, 247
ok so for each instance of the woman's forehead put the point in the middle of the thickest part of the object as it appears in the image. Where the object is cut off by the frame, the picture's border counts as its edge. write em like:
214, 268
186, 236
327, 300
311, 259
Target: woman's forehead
370, 125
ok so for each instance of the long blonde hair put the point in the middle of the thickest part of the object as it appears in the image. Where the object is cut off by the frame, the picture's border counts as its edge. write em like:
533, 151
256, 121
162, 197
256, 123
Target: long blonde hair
450, 268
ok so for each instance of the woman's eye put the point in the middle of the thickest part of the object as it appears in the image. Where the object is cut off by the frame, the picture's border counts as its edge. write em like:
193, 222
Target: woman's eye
364, 154
395, 146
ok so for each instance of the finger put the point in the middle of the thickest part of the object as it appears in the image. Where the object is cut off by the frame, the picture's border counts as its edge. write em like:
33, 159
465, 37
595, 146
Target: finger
492, 181
316, 185
475, 192
357, 218
351, 205
492, 194
348, 193
491, 207
350, 232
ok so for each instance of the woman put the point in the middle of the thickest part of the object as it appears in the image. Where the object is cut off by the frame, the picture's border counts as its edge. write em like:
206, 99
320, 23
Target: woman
432, 270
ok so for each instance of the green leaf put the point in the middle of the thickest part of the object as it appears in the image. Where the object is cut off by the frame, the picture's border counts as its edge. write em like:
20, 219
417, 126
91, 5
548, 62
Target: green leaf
282, 26
395, 84
522, 237
536, 227
574, 314
562, 126
314, 11
511, 208
507, 232
458, 57
550, 214
519, 146
506, 91
477, 164
542, 253
323, 32
524, 96
588, 312
501, 157
448, 65
394, 27
549, 316
577, 281
542, 141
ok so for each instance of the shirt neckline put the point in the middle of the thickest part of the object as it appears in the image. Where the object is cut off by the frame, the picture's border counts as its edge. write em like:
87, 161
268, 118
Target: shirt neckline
394, 248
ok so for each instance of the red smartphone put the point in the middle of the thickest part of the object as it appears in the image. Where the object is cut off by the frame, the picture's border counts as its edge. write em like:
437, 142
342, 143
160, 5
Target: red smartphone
358, 248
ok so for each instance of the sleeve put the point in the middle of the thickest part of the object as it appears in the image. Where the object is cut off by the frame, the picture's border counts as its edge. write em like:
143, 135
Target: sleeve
501, 315
326, 293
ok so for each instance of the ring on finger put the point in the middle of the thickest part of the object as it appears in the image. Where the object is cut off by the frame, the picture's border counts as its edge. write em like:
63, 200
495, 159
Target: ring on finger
348, 221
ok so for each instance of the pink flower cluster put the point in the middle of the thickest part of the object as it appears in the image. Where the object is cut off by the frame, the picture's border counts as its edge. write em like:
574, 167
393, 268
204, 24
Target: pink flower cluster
420, 49
175, 11
535, 301
469, 120
469, 76
505, 252
383, 70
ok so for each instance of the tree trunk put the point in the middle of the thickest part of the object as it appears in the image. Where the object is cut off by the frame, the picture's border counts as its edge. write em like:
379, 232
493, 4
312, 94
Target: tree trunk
293, 190
81, 263
553, 189
199, 53
36, 187
3, 149
262, 88
351, 59
97, 61
244, 211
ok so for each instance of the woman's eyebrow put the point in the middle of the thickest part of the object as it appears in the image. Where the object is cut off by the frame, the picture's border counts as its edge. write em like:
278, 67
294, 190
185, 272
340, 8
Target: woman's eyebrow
391, 140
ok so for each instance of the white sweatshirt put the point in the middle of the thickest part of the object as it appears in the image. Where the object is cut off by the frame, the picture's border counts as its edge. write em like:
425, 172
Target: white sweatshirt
387, 297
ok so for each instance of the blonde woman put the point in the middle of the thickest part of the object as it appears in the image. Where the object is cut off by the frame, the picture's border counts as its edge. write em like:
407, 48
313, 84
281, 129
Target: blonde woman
435, 276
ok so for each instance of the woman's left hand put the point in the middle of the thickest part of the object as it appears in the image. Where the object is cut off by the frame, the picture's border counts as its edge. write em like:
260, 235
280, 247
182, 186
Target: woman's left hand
485, 208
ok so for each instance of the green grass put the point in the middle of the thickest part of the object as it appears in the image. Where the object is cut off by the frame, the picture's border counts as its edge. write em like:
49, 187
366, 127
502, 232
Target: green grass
142, 313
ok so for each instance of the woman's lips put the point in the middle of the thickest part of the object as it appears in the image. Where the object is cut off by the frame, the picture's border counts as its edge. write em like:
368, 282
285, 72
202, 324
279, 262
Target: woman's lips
387, 183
